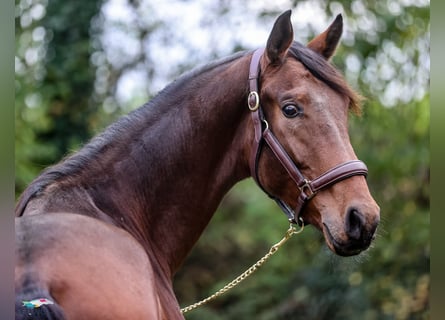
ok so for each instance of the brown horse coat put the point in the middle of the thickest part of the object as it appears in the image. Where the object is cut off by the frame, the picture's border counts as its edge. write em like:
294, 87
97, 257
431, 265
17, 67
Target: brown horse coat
102, 233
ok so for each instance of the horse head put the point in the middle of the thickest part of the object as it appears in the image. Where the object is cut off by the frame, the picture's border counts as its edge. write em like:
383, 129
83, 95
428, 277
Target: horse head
305, 102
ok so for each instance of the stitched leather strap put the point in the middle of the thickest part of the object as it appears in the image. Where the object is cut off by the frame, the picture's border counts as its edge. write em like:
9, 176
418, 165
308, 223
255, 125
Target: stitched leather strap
253, 102
339, 173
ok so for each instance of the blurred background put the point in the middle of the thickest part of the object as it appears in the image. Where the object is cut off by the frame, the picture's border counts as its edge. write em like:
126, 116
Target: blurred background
81, 64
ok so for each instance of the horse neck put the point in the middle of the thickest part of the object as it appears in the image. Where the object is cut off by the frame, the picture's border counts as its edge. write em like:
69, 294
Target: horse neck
179, 166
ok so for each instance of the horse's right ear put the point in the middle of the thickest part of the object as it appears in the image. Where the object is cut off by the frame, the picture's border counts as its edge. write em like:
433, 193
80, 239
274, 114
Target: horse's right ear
280, 39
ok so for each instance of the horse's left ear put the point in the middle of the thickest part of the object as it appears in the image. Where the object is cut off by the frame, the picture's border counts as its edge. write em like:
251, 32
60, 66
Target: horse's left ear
280, 39
326, 42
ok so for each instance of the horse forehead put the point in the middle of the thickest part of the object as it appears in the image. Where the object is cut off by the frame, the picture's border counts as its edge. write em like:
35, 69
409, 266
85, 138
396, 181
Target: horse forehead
290, 74
293, 79
297, 69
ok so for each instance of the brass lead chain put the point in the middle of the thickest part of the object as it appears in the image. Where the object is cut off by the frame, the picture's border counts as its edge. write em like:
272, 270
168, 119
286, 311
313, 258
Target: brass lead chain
289, 233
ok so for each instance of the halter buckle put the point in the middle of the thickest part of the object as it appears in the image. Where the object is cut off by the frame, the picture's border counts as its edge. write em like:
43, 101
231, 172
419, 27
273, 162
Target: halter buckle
306, 190
253, 101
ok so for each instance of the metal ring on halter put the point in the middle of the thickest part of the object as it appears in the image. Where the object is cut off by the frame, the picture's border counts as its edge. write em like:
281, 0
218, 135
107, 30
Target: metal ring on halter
295, 231
266, 123
254, 95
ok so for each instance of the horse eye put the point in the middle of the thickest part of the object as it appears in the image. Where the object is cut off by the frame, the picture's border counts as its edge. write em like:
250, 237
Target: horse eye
291, 111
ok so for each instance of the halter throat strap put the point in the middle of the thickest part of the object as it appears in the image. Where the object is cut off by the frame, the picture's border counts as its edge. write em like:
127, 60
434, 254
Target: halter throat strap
263, 134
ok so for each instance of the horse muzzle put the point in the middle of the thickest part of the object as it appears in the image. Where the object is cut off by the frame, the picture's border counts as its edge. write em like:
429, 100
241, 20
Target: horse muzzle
356, 235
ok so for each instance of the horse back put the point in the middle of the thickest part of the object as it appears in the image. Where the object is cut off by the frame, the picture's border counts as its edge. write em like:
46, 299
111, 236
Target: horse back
85, 268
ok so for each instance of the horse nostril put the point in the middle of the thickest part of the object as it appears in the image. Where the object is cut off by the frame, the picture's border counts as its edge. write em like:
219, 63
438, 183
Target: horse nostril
354, 224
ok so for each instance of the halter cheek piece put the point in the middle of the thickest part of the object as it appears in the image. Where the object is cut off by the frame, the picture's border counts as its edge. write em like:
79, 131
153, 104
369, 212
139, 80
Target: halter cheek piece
308, 188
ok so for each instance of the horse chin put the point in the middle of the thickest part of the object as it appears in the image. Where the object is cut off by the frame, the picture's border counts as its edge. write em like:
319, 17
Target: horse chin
342, 248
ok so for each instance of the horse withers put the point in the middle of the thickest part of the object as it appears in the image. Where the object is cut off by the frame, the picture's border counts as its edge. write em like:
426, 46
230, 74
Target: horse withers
101, 234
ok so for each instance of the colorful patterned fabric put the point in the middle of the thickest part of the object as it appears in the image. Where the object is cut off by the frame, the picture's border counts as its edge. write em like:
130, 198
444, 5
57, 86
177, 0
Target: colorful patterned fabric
36, 303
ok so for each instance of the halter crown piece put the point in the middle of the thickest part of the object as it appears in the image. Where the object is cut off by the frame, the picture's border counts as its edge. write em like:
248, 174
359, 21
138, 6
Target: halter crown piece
263, 134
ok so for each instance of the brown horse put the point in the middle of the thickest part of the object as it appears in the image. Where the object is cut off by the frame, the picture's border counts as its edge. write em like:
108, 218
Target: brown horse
101, 234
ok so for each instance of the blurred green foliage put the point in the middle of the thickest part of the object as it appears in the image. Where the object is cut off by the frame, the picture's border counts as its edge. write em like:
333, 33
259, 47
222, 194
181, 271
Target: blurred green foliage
59, 59
54, 82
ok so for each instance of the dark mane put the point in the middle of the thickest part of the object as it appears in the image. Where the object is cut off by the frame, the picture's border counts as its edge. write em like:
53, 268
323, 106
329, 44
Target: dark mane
73, 164
326, 72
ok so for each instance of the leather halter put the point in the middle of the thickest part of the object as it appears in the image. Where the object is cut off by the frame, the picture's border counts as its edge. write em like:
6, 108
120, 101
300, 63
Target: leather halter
308, 188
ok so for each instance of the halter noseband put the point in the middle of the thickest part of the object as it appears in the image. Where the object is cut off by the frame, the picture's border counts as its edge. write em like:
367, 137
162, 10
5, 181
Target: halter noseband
308, 188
